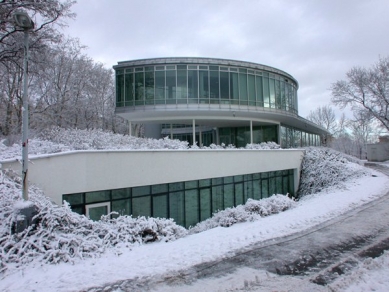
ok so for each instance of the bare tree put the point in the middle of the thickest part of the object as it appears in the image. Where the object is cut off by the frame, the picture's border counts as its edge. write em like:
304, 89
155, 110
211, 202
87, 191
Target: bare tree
343, 140
342, 125
46, 14
366, 91
363, 132
58, 86
66, 87
73, 91
353, 134
10, 99
325, 117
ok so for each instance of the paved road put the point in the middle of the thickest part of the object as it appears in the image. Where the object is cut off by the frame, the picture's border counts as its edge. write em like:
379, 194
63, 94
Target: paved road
317, 256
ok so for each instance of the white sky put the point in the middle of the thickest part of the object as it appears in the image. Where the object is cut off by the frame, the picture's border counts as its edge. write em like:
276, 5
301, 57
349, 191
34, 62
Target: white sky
316, 41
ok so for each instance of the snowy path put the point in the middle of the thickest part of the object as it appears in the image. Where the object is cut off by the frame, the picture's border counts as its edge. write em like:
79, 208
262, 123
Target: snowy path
315, 257
318, 255
378, 166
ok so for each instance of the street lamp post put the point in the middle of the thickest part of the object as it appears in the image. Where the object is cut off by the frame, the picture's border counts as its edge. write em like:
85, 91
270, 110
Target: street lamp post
23, 21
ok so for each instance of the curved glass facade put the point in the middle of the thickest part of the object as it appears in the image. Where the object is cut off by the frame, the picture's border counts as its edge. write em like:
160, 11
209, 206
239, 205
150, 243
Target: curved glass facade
213, 83
292, 138
214, 101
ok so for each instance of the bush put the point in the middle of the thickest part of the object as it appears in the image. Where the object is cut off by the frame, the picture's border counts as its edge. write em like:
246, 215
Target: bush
323, 168
252, 210
60, 234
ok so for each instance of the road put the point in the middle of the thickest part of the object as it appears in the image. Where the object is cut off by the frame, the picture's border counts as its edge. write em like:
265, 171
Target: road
305, 261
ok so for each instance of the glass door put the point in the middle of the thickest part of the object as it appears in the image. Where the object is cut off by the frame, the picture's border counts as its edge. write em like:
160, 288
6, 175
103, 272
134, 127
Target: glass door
95, 211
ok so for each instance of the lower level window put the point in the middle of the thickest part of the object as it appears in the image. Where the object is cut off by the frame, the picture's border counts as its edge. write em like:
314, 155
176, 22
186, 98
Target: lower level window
95, 211
186, 202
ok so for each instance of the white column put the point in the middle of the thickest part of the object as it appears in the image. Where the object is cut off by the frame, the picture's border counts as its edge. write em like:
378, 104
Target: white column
130, 128
200, 138
251, 132
194, 131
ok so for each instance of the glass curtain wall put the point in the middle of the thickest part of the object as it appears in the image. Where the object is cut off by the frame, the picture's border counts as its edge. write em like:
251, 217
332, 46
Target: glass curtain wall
240, 136
293, 138
187, 202
203, 84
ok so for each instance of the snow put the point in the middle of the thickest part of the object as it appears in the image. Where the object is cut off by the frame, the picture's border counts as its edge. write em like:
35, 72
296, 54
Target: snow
23, 204
324, 167
251, 211
58, 140
371, 275
211, 242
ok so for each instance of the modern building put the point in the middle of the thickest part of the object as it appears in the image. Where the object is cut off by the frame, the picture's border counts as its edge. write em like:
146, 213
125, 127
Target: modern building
200, 100
207, 100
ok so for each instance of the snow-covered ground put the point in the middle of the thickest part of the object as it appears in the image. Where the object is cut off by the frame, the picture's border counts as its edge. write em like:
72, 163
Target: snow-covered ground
168, 258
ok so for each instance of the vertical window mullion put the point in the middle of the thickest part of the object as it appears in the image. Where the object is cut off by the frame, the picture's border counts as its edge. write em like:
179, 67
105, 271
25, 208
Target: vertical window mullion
198, 204
187, 86
144, 87
164, 87
209, 86
229, 87
184, 204
238, 73
248, 89
151, 204
220, 93
167, 210
124, 84
132, 203
198, 85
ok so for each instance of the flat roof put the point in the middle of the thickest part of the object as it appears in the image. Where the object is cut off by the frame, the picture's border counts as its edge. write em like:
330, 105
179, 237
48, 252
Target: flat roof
203, 61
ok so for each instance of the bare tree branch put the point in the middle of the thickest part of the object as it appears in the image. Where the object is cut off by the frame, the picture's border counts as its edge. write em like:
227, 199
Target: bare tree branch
366, 91
47, 15
324, 116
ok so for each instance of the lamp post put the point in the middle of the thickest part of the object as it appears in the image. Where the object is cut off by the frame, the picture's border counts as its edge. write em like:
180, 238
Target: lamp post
24, 21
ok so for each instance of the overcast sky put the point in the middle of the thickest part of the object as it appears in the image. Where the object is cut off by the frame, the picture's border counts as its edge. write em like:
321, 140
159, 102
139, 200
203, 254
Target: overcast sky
316, 41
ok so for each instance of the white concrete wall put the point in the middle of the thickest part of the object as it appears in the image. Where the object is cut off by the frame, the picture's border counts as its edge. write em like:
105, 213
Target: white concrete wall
377, 152
83, 171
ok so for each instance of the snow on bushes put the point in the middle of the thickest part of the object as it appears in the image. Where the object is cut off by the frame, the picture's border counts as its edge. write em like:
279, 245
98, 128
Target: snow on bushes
61, 140
57, 139
252, 210
97, 139
323, 168
263, 145
260, 146
60, 234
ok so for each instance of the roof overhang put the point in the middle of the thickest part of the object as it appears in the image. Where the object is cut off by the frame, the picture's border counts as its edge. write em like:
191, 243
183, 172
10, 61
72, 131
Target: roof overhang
217, 116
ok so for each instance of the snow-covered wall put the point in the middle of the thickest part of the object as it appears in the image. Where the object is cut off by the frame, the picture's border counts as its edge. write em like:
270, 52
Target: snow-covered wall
84, 171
